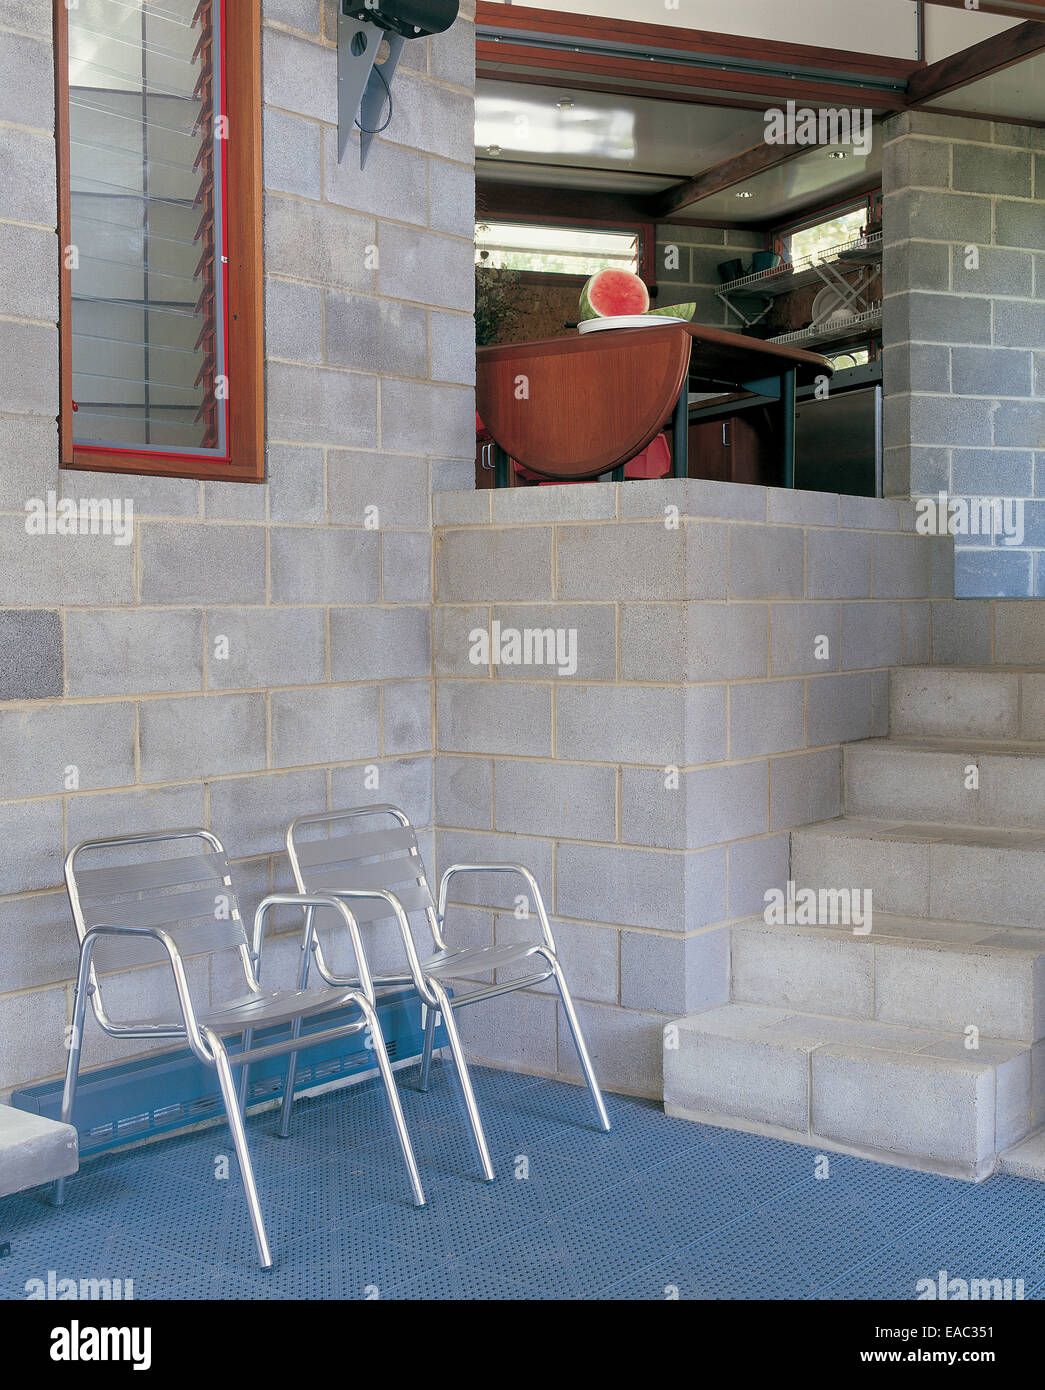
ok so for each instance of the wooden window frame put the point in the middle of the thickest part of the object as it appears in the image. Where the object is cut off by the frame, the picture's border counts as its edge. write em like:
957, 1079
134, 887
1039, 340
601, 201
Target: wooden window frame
245, 357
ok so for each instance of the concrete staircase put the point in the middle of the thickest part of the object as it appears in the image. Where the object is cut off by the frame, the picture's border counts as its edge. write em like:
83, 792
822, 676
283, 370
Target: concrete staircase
921, 1043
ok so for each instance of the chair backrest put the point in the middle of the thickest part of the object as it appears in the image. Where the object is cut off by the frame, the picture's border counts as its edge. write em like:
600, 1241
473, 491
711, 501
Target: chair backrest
189, 895
344, 849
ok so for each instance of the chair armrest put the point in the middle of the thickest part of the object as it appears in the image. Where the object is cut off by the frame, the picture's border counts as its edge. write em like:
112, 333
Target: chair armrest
403, 922
181, 984
520, 869
307, 901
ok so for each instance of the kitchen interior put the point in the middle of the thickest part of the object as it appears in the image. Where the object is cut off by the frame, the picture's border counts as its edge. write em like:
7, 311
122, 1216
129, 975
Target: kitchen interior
583, 164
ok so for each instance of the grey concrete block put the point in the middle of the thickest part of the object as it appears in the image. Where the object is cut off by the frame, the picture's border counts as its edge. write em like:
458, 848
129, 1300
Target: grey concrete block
478, 716
754, 867
580, 639
892, 781
986, 882
451, 198
992, 473
995, 992
506, 564
727, 641
518, 1030
293, 320
766, 717
879, 704
800, 508
406, 717
235, 501
427, 267
899, 566
978, 169
999, 272
100, 815
46, 570
418, 415
622, 723
29, 288
1018, 223
808, 971
653, 641
265, 647
133, 652
914, 163
462, 508
29, 447
1019, 634
1019, 323
493, 890
391, 185
250, 815
375, 335
403, 782
950, 420
464, 792
406, 566
961, 632
309, 241
588, 955
804, 787
30, 654
629, 887
706, 877
567, 502
915, 634
725, 803
296, 483
452, 344
766, 562
954, 704
199, 736
706, 723
32, 831
39, 746
334, 724
455, 651
1019, 424
797, 633
558, 799
871, 635
299, 76
33, 1027
290, 147
897, 870
374, 643
37, 942
437, 120
28, 95
309, 565
313, 405
838, 565
653, 808
693, 497
396, 487
869, 513
151, 496
297, 14
921, 213
625, 1048
186, 563
35, 1150
916, 367
642, 561
31, 380
838, 709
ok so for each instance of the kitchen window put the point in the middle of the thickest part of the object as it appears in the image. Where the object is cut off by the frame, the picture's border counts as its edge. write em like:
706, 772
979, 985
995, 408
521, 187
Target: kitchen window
158, 121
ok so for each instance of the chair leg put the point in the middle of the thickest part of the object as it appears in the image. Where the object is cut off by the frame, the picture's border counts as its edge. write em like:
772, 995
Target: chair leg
431, 1019
454, 1039
72, 1065
385, 1067
244, 1071
239, 1139
578, 1040
288, 1085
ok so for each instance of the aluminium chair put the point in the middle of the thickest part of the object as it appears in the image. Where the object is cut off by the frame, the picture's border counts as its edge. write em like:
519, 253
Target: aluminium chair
381, 874
182, 908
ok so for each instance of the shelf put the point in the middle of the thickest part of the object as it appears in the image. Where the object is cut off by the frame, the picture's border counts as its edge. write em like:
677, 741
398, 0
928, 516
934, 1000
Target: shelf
806, 271
853, 329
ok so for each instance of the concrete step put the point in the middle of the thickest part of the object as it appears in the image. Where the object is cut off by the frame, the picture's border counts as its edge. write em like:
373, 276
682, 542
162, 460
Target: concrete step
956, 782
1027, 1158
948, 872
909, 1096
34, 1150
908, 971
966, 702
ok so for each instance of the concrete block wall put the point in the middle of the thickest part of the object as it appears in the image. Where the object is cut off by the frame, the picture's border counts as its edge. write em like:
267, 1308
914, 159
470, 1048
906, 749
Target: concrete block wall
728, 640
964, 328
111, 658
687, 267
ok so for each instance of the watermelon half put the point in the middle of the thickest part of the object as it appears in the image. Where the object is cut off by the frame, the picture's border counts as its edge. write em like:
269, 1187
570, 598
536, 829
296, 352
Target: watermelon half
611, 293
674, 311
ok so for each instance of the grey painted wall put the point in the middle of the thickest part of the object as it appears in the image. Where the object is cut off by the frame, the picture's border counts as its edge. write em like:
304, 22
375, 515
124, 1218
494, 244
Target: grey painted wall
964, 330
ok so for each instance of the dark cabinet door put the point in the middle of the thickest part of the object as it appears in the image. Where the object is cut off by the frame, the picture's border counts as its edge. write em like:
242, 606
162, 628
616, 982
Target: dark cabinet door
737, 448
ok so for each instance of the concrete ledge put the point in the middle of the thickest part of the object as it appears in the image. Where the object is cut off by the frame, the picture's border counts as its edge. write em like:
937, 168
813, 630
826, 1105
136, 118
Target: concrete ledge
34, 1150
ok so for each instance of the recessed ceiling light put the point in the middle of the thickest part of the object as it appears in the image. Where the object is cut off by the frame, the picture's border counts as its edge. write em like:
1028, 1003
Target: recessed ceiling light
493, 149
565, 104
745, 194
838, 154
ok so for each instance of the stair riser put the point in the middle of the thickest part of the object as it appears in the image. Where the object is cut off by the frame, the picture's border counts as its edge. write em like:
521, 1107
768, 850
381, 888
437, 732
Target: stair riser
958, 883
942, 703
901, 784
920, 987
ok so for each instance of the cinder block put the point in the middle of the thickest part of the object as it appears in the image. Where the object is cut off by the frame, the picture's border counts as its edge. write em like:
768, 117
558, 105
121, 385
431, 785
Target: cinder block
653, 643
294, 313
250, 815
810, 971
754, 867
672, 974
653, 808
43, 748
332, 724
939, 703
27, 98
32, 830
375, 335
391, 185
913, 163
796, 638
799, 508
38, 942
594, 501
309, 241
979, 169
290, 147
621, 723
426, 267
625, 1049
27, 174
98, 816
838, 709
201, 736
299, 76
727, 802
1019, 634
182, 563
557, 799
694, 497
30, 654
406, 717
406, 567
456, 646
1019, 323
319, 405
374, 643
403, 782
120, 651
29, 288
894, 868
452, 344
31, 380
427, 416
961, 633
29, 447
900, 566
766, 717
309, 565
633, 561
451, 198
587, 954
869, 513
502, 564
33, 1029
151, 496
838, 565
920, 213
766, 562
437, 120
706, 723
296, 483
235, 501
942, 987
265, 647
494, 717
804, 787
629, 887
517, 1030
727, 641
464, 792
583, 635
398, 490
871, 635
494, 890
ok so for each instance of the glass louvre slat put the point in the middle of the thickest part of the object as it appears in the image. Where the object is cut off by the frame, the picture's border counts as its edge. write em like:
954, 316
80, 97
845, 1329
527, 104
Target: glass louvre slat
146, 223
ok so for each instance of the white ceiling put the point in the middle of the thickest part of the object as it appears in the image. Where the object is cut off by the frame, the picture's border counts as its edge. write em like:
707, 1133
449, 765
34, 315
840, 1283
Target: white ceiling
807, 179
1018, 91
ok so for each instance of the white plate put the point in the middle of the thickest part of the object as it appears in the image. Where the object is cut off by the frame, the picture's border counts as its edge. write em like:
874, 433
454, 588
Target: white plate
627, 321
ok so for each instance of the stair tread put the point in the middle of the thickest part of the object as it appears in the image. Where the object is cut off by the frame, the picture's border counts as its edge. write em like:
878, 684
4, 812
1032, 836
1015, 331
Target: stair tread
892, 929
930, 832
1027, 1158
33, 1149
934, 743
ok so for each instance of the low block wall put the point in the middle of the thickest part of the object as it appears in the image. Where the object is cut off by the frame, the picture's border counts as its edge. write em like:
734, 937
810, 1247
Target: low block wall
640, 690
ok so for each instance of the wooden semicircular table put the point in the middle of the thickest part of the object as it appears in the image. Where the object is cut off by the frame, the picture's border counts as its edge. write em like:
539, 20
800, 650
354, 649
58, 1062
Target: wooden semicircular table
572, 408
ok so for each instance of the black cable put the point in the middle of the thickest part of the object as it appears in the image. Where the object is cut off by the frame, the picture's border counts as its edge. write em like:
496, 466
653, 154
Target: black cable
388, 93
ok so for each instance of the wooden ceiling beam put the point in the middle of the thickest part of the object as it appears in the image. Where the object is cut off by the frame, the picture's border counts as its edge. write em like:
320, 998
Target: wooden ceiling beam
958, 70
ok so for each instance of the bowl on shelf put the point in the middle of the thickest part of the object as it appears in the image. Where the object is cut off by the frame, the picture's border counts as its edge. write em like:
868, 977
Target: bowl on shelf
730, 270
766, 260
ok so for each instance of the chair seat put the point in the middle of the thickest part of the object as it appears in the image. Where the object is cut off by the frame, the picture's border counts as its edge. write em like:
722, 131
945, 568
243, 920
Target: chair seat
260, 1010
478, 960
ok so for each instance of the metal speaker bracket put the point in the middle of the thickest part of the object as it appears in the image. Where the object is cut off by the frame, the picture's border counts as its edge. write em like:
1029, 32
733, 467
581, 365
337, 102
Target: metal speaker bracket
360, 90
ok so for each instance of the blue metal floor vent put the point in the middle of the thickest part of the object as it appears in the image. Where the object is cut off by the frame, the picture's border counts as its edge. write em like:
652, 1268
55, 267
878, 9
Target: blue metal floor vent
154, 1095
